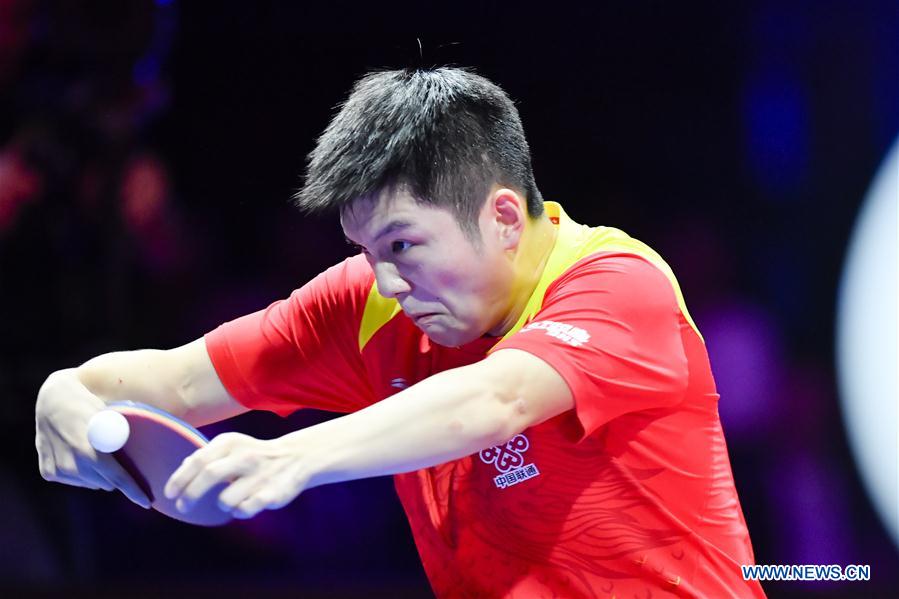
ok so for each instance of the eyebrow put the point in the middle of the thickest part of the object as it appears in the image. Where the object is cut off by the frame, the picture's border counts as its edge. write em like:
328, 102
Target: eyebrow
390, 227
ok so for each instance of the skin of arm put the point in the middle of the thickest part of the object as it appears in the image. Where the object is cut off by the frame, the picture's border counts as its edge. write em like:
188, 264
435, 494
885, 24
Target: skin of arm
447, 416
181, 381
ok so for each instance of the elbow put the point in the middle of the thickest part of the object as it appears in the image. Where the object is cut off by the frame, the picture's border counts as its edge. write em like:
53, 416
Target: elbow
516, 415
501, 418
485, 421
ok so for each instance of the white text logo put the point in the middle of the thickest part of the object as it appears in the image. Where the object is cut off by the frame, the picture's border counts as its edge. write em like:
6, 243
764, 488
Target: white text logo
574, 336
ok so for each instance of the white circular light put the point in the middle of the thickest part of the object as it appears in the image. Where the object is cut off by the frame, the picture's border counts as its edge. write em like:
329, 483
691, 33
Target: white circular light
867, 331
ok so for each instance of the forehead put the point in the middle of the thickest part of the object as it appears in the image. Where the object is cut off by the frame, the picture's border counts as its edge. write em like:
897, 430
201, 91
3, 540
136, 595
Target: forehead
368, 218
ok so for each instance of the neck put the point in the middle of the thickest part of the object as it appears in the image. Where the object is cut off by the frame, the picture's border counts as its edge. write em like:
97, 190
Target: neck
536, 245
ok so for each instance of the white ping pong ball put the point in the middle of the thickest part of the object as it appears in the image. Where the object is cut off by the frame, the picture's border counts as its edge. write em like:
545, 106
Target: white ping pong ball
107, 431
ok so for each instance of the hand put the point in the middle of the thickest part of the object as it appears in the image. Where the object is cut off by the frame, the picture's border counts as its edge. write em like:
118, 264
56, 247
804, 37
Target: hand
262, 475
64, 407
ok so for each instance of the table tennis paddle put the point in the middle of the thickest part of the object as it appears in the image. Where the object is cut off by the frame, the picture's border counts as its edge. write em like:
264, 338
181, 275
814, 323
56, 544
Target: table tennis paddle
150, 444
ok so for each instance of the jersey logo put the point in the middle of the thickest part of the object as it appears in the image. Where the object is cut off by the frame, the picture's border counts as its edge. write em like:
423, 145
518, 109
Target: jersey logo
573, 336
399, 383
509, 460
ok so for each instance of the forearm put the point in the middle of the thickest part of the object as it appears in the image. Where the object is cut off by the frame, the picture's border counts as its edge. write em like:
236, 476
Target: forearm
445, 417
181, 381
131, 375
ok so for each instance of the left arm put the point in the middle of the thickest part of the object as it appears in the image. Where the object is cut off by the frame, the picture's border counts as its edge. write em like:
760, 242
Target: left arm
445, 417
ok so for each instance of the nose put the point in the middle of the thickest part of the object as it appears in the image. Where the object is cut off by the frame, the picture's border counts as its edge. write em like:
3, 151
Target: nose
390, 282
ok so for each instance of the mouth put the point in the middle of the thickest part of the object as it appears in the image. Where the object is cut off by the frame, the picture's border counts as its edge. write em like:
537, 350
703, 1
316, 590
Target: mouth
417, 318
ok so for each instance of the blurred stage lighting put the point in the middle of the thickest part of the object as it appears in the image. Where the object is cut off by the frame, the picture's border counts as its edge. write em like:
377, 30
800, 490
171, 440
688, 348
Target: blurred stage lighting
867, 331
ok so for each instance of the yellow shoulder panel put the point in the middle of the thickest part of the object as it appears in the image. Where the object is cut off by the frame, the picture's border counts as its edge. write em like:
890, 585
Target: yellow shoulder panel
379, 310
609, 239
575, 242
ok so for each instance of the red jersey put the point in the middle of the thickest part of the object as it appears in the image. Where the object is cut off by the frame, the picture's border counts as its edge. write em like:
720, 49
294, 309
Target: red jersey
629, 494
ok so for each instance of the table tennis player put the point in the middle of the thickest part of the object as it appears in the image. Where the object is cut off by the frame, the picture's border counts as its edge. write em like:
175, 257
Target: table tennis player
536, 386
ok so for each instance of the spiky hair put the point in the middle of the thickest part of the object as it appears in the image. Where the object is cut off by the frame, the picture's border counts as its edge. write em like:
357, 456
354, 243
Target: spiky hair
446, 134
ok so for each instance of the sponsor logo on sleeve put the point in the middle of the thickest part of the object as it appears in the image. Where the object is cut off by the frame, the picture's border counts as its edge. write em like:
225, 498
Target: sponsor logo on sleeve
572, 335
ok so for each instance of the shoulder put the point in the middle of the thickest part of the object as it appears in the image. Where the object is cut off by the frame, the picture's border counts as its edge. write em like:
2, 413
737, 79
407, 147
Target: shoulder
628, 272
614, 268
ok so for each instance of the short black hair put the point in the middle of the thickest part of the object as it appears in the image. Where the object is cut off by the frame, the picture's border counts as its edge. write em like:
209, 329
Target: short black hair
445, 134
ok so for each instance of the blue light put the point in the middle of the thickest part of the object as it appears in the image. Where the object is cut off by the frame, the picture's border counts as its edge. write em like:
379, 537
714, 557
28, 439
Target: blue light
775, 121
146, 69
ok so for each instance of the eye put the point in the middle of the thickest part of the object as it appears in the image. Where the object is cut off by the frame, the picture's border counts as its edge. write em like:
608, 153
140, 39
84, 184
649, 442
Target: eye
398, 247
356, 247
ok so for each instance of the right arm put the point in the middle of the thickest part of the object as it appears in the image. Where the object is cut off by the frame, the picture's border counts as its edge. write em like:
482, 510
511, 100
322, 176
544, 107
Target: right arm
298, 352
181, 381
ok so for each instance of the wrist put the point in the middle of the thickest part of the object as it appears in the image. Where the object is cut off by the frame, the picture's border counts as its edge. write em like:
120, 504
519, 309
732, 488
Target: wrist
312, 455
60, 390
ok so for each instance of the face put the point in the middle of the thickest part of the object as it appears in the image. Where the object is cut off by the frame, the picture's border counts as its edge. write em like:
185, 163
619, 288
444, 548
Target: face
453, 289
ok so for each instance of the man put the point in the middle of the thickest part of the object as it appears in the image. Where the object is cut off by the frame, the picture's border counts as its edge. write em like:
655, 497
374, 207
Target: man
536, 386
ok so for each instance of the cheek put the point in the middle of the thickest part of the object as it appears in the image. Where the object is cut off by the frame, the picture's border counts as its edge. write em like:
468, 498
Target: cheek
450, 279
445, 286
463, 281
467, 289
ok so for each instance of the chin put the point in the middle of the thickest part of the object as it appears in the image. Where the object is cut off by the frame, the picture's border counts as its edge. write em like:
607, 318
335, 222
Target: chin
450, 338
445, 340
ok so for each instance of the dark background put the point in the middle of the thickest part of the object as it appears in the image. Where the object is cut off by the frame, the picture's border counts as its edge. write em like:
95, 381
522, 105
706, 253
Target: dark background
148, 151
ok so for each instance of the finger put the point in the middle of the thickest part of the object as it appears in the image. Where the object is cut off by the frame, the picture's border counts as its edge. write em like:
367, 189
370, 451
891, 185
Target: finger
192, 466
239, 491
110, 469
103, 482
86, 467
65, 467
74, 482
96, 480
219, 471
83, 480
78, 474
47, 467
260, 500
265, 495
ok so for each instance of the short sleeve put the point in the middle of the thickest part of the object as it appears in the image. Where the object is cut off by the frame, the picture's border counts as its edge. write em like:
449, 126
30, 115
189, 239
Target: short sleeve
301, 351
611, 327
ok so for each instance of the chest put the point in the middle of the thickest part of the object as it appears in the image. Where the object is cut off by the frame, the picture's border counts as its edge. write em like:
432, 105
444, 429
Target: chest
401, 356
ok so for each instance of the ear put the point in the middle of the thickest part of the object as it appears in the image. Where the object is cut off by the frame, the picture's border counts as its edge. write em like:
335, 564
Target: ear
508, 214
